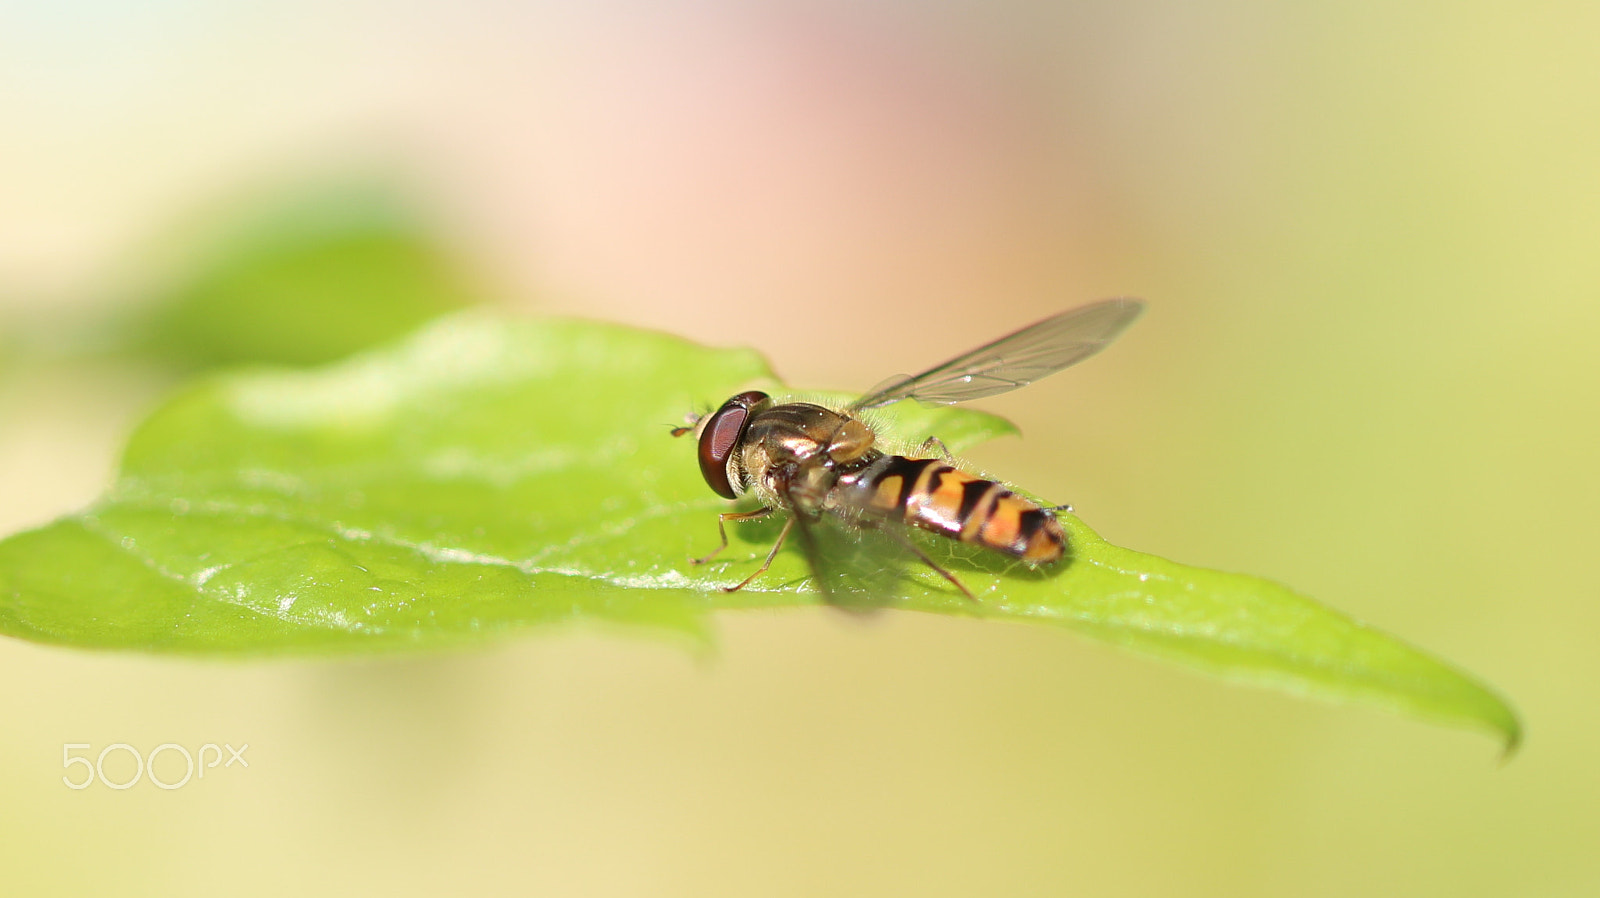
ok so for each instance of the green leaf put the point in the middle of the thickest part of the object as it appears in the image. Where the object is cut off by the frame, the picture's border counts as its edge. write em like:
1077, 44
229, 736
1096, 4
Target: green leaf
308, 274
485, 476
313, 275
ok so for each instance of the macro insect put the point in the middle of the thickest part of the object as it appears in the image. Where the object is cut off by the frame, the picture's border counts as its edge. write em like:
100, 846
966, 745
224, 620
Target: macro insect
820, 466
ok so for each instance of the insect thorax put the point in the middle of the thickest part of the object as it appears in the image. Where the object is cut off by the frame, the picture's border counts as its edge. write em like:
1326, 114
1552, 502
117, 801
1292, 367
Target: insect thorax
799, 450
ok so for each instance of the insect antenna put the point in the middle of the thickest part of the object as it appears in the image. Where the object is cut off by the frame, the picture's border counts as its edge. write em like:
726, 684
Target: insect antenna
693, 418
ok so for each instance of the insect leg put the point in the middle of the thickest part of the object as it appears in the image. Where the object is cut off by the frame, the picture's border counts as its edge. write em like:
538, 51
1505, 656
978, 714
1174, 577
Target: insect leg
932, 443
904, 541
722, 530
782, 535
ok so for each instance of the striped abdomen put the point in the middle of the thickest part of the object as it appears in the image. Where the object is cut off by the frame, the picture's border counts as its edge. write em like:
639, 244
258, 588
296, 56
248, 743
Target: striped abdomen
932, 495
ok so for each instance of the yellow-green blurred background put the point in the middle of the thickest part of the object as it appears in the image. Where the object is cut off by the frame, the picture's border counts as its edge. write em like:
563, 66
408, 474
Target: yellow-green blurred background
1370, 237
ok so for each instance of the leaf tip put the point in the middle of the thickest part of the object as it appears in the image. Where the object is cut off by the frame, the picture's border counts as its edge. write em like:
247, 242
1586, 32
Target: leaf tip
1511, 732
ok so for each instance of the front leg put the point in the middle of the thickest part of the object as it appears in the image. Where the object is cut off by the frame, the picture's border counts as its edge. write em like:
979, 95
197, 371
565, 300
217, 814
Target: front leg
722, 531
782, 535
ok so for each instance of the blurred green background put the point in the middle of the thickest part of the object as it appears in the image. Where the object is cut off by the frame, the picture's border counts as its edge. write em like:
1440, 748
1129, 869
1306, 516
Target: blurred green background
1368, 235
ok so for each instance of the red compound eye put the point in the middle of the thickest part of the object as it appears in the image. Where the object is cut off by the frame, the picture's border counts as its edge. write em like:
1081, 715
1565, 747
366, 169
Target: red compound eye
721, 436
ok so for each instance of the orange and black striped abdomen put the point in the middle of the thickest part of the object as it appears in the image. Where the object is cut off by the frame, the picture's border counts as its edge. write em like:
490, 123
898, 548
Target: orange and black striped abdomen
930, 494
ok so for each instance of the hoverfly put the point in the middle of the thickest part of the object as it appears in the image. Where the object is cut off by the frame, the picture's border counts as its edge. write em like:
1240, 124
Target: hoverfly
819, 465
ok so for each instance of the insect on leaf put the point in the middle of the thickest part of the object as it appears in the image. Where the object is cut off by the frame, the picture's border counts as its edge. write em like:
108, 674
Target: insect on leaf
485, 476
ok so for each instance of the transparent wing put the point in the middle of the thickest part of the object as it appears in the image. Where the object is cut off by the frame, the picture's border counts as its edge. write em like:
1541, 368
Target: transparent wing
1014, 360
861, 560
852, 567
